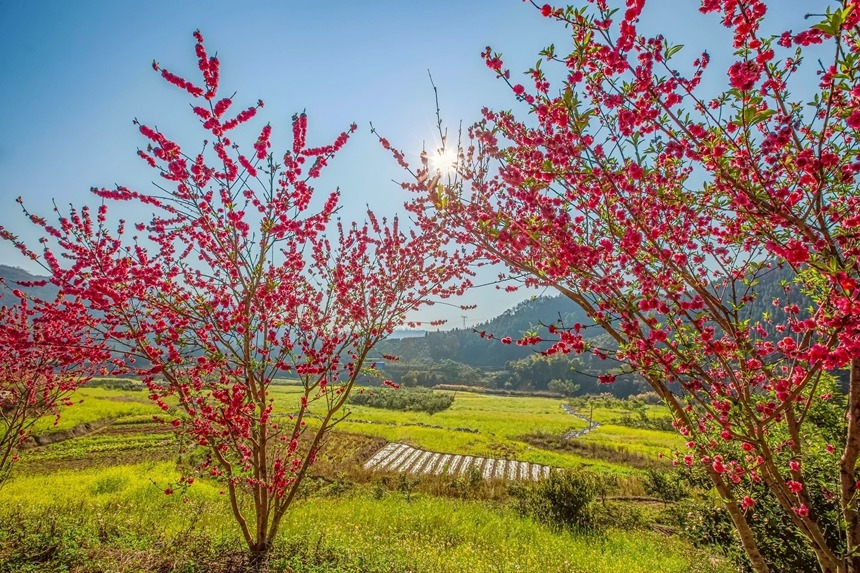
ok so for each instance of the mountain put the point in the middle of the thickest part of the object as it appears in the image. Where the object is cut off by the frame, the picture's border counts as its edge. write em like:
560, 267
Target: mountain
10, 277
467, 346
477, 353
402, 333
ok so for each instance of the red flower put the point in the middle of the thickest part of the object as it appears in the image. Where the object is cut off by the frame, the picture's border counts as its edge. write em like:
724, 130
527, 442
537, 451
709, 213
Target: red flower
744, 75
546, 10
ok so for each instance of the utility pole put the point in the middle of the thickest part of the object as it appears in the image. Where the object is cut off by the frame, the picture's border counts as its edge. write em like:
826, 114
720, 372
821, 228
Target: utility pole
464, 321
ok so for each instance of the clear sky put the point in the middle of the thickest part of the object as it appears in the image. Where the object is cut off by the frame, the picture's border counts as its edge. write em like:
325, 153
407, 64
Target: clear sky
75, 73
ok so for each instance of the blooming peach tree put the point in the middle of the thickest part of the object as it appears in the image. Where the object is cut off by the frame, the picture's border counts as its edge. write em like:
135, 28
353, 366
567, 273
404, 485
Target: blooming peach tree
242, 276
49, 349
660, 208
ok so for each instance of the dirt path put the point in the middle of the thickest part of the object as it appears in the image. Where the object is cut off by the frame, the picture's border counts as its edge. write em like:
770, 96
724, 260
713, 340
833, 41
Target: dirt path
397, 457
47, 438
577, 433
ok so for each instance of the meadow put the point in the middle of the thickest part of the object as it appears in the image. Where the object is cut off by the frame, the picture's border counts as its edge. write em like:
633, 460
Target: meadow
115, 518
476, 424
97, 503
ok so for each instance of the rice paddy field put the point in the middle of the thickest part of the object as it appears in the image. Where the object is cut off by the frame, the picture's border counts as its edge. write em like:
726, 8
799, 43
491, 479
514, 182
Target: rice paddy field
95, 502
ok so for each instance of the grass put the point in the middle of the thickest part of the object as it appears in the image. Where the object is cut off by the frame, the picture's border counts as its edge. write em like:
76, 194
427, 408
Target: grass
118, 519
497, 419
96, 444
500, 420
468, 537
96, 502
94, 404
645, 443
476, 424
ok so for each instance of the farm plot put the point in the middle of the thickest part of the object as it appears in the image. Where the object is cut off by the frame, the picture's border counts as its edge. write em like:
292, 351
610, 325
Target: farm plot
402, 458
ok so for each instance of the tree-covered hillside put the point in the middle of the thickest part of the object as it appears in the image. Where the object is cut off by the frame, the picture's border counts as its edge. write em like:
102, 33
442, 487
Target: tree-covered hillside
12, 277
477, 356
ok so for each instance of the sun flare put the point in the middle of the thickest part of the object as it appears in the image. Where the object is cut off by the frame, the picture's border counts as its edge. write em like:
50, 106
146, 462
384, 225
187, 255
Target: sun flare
444, 160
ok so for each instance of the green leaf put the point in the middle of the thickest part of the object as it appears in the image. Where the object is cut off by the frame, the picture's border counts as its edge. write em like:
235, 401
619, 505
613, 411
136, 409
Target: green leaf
826, 28
567, 97
672, 50
762, 115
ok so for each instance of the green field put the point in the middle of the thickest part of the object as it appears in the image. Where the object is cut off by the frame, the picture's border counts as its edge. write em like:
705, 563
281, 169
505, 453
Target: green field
94, 404
499, 421
102, 516
96, 502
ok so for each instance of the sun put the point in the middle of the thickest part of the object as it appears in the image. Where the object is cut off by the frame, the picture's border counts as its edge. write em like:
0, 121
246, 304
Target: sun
443, 160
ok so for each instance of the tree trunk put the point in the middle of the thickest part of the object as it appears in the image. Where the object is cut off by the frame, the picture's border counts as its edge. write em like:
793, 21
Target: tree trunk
258, 557
743, 528
848, 474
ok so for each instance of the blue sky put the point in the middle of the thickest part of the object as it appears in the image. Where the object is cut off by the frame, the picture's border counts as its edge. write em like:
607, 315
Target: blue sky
75, 74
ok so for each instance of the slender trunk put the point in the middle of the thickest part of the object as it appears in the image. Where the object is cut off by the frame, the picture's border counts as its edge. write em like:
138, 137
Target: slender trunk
739, 519
5, 459
828, 560
258, 556
848, 474
743, 528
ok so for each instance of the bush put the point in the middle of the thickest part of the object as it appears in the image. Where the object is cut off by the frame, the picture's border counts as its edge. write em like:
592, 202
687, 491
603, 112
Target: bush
650, 398
704, 522
664, 485
496, 391
561, 500
641, 421
125, 384
404, 399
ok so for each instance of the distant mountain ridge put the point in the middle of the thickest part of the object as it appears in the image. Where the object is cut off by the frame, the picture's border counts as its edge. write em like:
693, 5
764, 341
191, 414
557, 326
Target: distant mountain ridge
467, 346
401, 333
17, 274
10, 277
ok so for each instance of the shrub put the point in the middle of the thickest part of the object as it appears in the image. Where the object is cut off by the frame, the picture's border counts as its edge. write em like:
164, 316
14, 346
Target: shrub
705, 523
561, 500
650, 398
125, 384
642, 421
410, 400
664, 485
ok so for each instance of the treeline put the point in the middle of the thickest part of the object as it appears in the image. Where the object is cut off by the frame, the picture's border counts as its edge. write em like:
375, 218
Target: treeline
467, 345
559, 374
477, 357
404, 399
